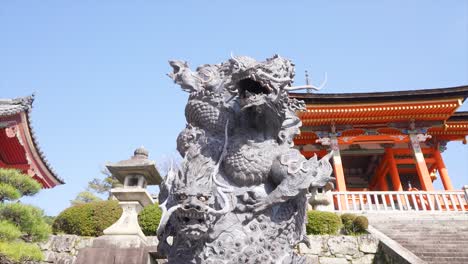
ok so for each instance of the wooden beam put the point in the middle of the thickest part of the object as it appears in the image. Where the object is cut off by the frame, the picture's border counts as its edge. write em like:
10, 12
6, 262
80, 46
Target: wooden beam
310, 154
408, 151
412, 161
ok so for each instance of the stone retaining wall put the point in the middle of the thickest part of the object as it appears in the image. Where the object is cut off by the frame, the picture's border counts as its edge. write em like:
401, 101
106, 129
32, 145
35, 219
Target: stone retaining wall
341, 249
62, 249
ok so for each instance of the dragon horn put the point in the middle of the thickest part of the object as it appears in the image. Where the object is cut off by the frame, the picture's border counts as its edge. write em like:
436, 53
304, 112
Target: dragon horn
313, 87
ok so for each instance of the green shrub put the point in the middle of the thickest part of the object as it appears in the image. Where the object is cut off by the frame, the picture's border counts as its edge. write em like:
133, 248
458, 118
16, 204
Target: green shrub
321, 223
347, 220
21, 251
49, 219
149, 219
354, 224
28, 218
361, 223
88, 219
9, 231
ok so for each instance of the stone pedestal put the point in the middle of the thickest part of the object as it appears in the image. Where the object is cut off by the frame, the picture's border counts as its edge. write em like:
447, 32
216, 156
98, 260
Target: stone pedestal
128, 222
126, 232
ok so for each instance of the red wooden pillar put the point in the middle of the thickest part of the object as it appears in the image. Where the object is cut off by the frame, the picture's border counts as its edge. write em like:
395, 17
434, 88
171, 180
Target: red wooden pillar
379, 172
393, 170
339, 172
421, 167
442, 170
383, 185
338, 166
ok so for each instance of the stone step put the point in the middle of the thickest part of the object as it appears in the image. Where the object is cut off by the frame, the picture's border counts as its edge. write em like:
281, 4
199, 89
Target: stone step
452, 260
441, 245
422, 231
420, 224
434, 249
424, 226
441, 255
434, 239
429, 241
428, 232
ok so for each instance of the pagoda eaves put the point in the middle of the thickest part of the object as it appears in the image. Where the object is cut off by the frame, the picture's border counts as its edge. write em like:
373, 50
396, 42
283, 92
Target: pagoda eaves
18, 145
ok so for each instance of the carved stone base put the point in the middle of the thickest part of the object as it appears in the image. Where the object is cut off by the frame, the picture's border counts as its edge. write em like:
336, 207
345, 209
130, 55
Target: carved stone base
127, 226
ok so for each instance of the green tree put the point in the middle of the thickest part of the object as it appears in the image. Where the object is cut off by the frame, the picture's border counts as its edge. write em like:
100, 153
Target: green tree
14, 185
85, 197
96, 187
103, 186
20, 224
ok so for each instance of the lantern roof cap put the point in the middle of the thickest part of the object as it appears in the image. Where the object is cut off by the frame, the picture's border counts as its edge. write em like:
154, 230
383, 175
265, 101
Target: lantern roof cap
138, 164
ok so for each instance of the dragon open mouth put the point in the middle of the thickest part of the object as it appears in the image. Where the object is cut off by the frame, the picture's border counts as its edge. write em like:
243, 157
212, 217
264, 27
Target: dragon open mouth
193, 223
249, 87
192, 216
252, 92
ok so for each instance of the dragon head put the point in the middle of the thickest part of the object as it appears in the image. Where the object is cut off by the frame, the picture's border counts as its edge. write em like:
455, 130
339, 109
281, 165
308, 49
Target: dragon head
193, 217
258, 83
190, 201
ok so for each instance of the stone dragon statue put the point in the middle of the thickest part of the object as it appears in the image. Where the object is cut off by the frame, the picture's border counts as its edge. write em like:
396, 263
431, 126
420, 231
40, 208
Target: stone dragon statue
240, 194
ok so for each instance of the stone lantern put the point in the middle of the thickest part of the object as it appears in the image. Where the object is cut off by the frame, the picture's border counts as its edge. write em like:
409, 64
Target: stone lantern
135, 174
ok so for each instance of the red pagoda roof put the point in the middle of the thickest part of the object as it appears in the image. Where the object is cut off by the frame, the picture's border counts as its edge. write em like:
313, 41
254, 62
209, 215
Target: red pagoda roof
19, 147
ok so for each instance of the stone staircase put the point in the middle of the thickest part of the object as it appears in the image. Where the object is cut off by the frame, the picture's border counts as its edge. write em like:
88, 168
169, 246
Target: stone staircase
434, 238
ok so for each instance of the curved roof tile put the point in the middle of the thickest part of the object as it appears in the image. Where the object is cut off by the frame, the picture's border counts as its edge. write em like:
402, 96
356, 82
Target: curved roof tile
9, 107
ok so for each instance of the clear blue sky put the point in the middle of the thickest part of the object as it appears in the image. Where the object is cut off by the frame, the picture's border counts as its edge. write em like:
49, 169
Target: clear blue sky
98, 67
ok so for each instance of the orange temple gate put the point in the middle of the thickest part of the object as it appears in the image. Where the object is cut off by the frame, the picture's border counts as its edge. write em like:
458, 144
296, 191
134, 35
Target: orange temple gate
387, 146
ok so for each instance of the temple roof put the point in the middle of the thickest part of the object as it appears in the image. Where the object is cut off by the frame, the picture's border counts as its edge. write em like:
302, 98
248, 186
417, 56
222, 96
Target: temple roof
14, 106
9, 108
459, 116
408, 95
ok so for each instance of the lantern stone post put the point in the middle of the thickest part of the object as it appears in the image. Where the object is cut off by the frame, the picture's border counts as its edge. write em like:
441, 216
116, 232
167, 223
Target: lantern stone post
135, 174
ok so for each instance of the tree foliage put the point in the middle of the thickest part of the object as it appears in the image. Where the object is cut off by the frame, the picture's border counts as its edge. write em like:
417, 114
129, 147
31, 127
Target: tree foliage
20, 223
85, 197
96, 187
14, 185
8, 231
28, 218
103, 186
20, 251
149, 219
